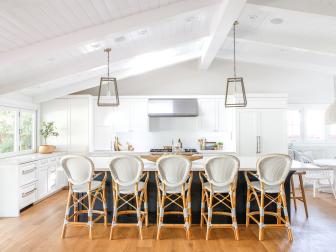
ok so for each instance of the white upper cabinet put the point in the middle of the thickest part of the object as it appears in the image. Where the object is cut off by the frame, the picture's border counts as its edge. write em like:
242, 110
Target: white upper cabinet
207, 115
57, 111
79, 124
129, 116
213, 116
139, 116
71, 117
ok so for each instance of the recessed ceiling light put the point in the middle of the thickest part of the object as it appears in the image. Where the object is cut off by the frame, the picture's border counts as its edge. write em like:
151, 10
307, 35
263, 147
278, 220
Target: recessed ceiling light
189, 19
119, 39
276, 20
143, 32
253, 17
96, 45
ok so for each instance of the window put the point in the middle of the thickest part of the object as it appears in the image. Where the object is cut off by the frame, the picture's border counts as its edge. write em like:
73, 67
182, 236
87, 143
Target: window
294, 124
17, 131
7, 130
26, 131
314, 124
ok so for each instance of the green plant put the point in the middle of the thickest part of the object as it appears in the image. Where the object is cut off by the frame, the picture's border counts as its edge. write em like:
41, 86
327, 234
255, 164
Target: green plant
220, 143
48, 129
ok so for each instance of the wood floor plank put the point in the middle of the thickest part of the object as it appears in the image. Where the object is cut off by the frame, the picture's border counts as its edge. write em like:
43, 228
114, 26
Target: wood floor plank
39, 229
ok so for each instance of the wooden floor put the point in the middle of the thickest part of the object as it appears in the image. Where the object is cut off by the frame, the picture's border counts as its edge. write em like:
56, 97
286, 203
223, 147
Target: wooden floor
39, 229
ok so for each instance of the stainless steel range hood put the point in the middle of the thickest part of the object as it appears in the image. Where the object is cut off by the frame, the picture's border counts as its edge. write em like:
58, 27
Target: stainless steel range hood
172, 108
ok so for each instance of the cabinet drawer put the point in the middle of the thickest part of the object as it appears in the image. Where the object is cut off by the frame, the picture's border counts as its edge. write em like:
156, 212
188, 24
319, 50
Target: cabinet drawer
52, 161
27, 195
27, 174
43, 162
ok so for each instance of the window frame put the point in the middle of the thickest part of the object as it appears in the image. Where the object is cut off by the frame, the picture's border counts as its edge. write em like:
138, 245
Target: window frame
17, 131
303, 137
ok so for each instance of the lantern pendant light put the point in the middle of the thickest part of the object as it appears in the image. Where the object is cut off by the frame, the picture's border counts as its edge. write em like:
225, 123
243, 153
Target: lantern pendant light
330, 114
108, 88
235, 91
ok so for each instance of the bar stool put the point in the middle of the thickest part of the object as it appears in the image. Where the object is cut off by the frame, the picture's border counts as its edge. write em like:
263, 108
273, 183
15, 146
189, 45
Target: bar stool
173, 180
129, 183
272, 171
219, 190
301, 197
84, 191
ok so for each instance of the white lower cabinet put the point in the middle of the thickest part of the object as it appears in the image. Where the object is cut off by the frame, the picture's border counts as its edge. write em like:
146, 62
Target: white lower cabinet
43, 182
51, 177
27, 195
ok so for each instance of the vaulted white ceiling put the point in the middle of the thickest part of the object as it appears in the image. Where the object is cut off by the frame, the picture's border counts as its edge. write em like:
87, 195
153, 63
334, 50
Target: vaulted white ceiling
52, 48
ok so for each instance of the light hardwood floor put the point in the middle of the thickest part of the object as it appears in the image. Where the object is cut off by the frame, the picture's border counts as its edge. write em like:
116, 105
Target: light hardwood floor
39, 229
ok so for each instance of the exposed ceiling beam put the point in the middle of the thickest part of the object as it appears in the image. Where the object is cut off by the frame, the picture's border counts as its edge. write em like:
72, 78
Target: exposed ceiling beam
100, 32
123, 69
282, 56
221, 25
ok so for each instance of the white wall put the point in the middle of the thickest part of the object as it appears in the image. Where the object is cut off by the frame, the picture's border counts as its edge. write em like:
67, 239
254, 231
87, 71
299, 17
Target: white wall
301, 86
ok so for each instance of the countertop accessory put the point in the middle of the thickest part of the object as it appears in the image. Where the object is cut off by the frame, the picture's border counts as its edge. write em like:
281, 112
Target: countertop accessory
117, 144
108, 87
48, 129
235, 91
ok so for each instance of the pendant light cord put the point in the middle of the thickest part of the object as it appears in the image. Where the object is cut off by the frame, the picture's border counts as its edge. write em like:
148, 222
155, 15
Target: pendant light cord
108, 63
234, 48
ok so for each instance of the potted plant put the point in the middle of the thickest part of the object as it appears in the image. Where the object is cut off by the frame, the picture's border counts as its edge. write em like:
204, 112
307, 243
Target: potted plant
220, 145
47, 129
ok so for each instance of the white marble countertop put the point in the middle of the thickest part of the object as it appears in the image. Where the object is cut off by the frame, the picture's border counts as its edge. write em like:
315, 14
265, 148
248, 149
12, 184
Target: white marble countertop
142, 153
246, 164
26, 158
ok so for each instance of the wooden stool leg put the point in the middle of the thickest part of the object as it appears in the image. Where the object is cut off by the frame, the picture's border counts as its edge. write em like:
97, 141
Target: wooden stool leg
146, 207
75, 218
262, 213
303, 194
161, 215
66, 215
185, 212
284, 203
138, 205
209, 215
248, 204
202, 207
115, 212
293, 192
233, 214
90, 223
279, 209
104, 206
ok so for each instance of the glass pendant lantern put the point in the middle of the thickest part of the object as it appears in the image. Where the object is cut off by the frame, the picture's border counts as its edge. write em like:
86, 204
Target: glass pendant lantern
108, 88
235, 91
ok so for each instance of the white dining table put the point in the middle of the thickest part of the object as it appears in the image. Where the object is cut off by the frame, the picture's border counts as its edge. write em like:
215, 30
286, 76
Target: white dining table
329, 164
